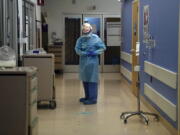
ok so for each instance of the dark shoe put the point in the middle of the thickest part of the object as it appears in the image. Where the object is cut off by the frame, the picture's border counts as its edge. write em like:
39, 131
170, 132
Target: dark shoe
89, 102
82, 99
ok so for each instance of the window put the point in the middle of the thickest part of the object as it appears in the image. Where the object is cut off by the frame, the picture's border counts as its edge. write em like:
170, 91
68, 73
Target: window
29, 24
8, 24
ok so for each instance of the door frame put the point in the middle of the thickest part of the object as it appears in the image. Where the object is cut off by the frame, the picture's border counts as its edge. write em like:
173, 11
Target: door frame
135, 59
74, 68
69, 68
109, 68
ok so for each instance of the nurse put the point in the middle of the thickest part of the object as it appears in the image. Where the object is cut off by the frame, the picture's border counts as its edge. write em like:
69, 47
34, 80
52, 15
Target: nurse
88, 47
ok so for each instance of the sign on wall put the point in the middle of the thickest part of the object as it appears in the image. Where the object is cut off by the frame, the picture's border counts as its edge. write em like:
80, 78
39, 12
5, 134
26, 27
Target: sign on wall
146, 22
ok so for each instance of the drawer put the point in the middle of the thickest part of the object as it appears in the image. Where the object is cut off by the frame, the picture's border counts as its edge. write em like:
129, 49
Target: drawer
58, 66
33, 96
58, 60
34, 128
58, 63
58, 54
52, 47
55, 49
33, 114
58, 57
33, 83
34, 75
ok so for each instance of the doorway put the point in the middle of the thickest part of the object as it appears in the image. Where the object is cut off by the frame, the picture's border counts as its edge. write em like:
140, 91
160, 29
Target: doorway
112, 39
107, 27
135, 39
72, 33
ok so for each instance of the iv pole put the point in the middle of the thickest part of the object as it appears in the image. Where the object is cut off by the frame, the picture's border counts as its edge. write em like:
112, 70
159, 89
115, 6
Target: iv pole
126, 115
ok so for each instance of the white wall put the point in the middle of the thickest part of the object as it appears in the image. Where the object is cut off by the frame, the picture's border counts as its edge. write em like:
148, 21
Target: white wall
56, 8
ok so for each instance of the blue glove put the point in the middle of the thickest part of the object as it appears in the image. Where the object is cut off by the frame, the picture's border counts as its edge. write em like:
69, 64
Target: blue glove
91, 53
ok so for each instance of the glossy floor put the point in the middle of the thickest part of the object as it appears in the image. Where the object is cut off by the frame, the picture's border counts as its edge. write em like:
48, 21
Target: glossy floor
74, 118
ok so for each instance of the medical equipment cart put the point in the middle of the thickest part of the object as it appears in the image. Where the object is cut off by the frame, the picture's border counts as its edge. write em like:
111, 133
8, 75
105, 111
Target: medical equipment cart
46, 75
18, 101
58, 59
143, 115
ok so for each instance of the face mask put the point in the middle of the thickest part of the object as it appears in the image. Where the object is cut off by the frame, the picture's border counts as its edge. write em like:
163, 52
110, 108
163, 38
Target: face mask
87, 33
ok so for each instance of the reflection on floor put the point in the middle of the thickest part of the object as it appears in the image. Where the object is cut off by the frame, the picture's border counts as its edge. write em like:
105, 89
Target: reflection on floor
74, 118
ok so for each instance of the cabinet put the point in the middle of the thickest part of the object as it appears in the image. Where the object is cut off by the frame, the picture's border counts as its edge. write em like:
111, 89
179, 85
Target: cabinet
46, 86
18, 101
57, 51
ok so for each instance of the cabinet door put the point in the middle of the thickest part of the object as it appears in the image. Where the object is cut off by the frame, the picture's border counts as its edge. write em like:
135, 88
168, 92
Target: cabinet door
14, 105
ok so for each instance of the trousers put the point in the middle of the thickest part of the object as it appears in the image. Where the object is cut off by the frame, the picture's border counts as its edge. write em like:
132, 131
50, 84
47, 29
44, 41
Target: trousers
91, 90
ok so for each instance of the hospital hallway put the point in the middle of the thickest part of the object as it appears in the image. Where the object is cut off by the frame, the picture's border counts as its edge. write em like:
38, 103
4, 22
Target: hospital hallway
73, 118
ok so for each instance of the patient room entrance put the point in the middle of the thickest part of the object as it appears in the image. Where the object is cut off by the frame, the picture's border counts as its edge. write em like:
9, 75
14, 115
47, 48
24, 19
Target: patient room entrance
106, 27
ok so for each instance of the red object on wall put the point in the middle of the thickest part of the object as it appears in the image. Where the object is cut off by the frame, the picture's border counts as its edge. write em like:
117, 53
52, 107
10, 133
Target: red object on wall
40, 2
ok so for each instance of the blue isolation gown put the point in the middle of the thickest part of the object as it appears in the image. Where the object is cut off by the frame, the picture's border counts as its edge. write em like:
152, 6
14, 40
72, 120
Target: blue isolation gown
86, 46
